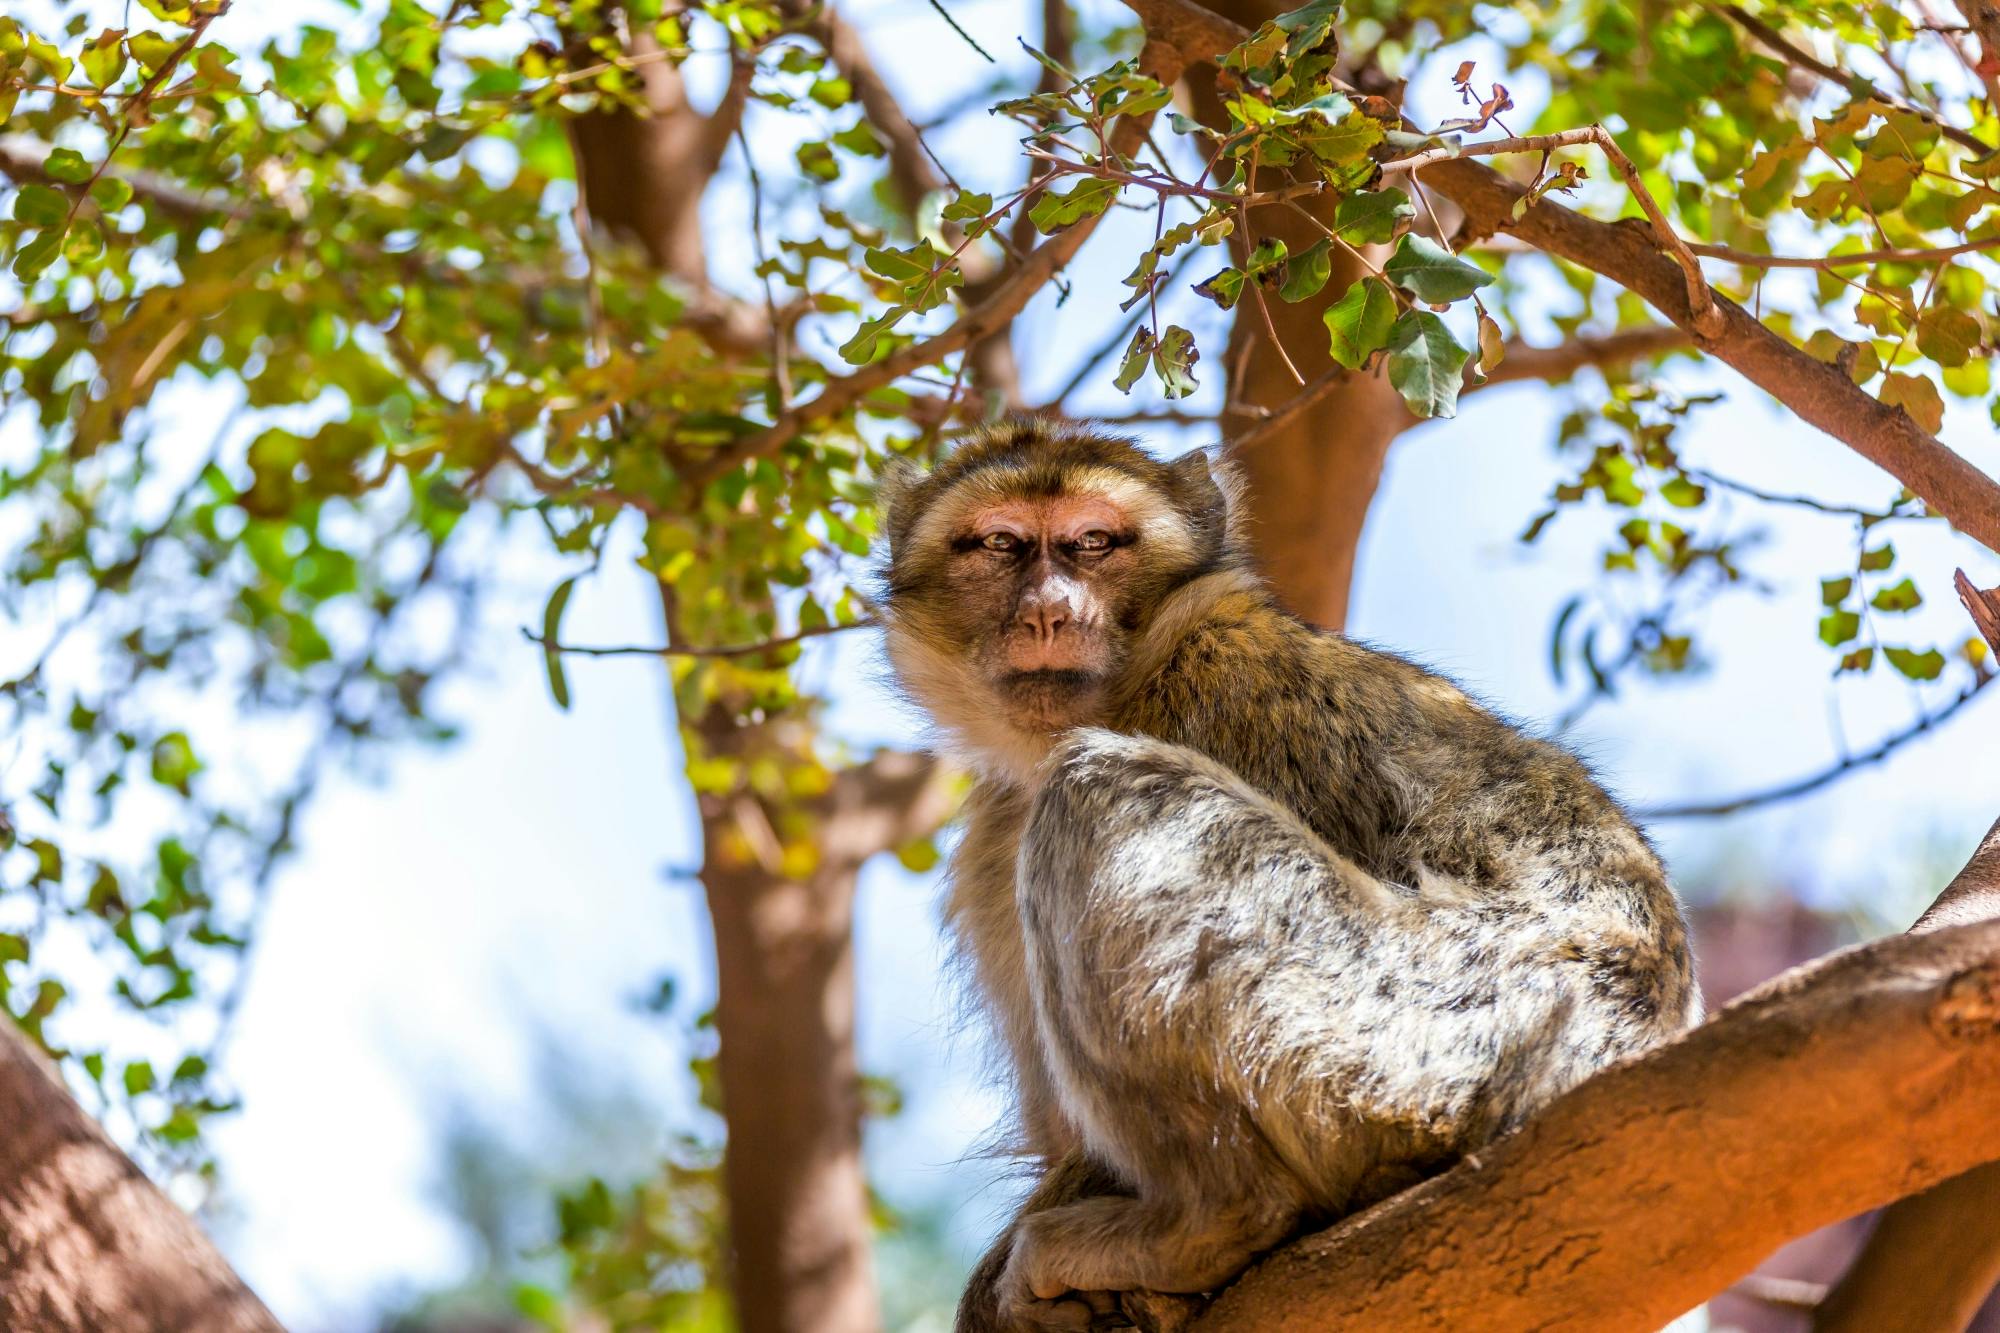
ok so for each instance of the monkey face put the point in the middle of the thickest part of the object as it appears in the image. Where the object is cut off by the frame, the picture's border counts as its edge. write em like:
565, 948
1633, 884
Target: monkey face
1023, 567
1044, 583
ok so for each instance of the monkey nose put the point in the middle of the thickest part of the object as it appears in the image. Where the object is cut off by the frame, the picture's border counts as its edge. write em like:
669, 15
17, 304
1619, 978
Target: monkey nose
1045, 619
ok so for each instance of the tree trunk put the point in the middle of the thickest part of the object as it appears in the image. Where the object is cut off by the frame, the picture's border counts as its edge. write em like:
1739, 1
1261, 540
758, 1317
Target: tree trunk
87, 1244
798, 1202
799, 1218
1312, 479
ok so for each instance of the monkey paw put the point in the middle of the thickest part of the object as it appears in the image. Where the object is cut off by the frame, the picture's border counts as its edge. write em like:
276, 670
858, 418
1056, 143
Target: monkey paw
1071, 1312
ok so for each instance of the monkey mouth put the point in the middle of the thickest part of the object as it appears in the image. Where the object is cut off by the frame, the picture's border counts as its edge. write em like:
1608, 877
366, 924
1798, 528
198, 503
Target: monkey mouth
1049, 681
1049, 699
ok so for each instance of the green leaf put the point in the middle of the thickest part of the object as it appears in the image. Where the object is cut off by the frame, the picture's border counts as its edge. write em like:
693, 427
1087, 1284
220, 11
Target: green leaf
1432, 273
1372, 216
1879, 559
66, 165
861, 140
1307, 272
1426, 364
866, 343
138, 1078
103, 57
1058, 212
552, 616
174, 761
1268, 255
1138, 355
1832, 592
1902, 597
1948, 337
151, 49
1838, 627
111, 193
816, 159
1682, 493
1927, 665
1173, 359
1917, 396
1359, 322
40, 206
1223, 288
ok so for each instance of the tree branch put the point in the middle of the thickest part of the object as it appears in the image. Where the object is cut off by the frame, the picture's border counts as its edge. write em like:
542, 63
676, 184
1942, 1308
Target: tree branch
1819, 394
1008, 298
693, 650
1688, 1164
1854, 84
86, 1242
1555, 364
910, 167
21, 158
1799, 787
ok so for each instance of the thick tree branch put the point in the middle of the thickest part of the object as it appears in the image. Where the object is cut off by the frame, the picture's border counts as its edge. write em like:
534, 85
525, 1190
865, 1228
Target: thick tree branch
1687, 1165
86, 1241
1818, 393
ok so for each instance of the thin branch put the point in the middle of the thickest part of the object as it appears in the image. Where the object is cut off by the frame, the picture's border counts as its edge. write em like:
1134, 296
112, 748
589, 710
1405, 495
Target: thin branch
1860, 258
1706, 318
22, 156
1008, 298
1854, 84
1832, 773
691, 650
1706, 477
945, 14
1555, 364
1321, 387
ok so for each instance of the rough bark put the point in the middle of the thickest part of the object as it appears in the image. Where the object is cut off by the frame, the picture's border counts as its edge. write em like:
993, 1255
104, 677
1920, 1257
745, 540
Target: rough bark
1933, 1258
1836, 1088
87, 1243
798, 1199
1928, 1265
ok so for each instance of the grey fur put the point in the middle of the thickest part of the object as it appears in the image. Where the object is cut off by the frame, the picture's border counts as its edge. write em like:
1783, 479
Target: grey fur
1283, 926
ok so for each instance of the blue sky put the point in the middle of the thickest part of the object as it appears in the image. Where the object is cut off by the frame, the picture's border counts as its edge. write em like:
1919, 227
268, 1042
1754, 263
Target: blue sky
442, 915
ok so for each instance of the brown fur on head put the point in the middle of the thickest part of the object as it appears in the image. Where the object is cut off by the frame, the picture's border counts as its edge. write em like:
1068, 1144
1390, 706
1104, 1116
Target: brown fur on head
1023, 567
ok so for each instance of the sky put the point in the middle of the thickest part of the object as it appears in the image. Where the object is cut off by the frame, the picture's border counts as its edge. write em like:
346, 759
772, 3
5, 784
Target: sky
445, 916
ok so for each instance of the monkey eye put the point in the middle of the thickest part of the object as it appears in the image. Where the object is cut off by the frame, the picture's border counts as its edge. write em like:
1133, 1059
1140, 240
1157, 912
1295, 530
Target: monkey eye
1095, 540
1004, 542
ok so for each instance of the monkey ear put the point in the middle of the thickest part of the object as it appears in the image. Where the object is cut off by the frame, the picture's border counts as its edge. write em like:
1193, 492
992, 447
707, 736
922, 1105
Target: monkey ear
895, 495
1211, 491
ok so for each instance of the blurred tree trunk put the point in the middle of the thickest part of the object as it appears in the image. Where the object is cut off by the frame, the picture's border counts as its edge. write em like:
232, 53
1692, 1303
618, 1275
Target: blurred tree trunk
799, 1219
87, 1244
799, 1214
